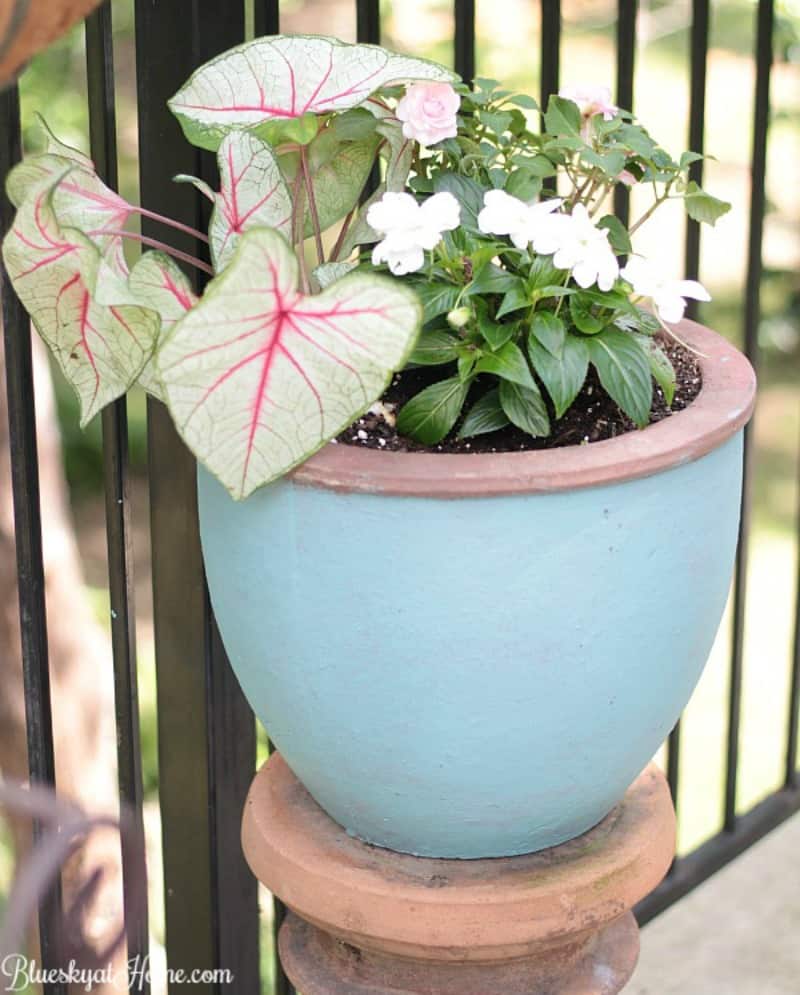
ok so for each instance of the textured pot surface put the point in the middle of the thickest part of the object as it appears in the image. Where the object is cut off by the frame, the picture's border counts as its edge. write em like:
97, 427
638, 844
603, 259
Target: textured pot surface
473, 656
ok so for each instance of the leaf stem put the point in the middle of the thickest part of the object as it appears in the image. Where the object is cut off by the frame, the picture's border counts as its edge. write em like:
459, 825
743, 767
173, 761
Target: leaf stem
650, 211
170, 222
337, 248
312, 205
155, 244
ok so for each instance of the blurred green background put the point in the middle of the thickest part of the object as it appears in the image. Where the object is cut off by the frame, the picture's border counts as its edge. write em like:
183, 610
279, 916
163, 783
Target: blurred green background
508, 49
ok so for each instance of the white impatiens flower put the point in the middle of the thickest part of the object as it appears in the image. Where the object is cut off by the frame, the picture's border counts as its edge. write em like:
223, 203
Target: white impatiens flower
409, 228
503, 214
577, 244
668, 296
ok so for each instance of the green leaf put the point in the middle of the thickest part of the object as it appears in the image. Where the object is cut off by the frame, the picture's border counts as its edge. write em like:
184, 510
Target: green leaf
524, 184
284, 77
624, 371
356, 124
258, 376
701, 206
580, 308
524, 101
437, 298
434, 347
508, 363
660, 366
618, 235
253, 194
513, 300
486, 415
279, 131
543, 274
497, 121
636, 139
549, 331
525, 408
338, 176
469, 195
611, 163
563, 117
564, 376
688, 158
496, 333
491, 279
430, 415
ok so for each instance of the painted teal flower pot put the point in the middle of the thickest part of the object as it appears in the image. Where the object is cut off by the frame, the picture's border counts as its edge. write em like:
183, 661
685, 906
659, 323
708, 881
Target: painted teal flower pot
472, 656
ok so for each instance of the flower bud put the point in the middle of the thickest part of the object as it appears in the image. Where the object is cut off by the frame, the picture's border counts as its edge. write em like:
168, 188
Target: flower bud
459, 317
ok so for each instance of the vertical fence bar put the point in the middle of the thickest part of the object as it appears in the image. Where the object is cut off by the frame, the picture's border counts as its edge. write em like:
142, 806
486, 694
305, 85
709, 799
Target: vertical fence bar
102, 126
368, 21
791, 779
464, 44
268, 22
550, 50
267, 17
28, 531
697, 114
697, 124
627, 11
752, 314
206, 729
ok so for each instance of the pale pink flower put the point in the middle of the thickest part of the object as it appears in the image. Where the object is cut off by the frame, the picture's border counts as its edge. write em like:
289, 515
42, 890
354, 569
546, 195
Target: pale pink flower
428, 112
591, 99
627, 178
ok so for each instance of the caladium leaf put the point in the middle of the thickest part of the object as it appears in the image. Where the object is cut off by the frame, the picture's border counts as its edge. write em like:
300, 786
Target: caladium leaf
258, 376
100, 347
80, 199
338, 176
329, 273
399, 155
156, 282
287, 77
253, 194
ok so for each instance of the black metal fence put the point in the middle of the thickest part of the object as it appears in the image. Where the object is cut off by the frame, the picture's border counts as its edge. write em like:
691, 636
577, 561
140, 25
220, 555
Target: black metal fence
207, 743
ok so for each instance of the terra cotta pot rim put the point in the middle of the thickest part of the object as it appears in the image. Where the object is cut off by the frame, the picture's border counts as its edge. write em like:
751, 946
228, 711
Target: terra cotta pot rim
722, 407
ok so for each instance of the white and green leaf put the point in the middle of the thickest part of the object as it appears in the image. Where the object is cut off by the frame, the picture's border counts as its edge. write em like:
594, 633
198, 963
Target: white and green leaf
253, 194
258, 376
101, 348
280, 78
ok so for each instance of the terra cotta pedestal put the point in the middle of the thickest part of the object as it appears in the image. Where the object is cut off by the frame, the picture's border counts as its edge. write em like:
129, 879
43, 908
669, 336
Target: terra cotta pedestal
369, 921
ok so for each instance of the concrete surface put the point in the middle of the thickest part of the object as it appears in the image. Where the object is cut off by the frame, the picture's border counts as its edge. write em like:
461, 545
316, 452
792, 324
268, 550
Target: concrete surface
738, 934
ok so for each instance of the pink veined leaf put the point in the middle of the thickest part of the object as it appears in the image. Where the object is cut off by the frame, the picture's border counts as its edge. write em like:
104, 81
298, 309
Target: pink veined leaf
81, 200
157, 283
258, 376
101, 348
253, 193
286, 77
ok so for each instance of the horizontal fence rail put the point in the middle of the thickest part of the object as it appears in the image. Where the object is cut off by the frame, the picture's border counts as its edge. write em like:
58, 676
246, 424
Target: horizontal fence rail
206, 730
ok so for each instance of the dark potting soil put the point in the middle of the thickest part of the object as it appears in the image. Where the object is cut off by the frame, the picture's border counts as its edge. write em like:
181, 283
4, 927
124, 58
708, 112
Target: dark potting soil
592, 417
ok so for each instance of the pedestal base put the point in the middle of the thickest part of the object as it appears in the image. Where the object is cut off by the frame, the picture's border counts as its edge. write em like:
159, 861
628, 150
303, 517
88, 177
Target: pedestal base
367, 921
